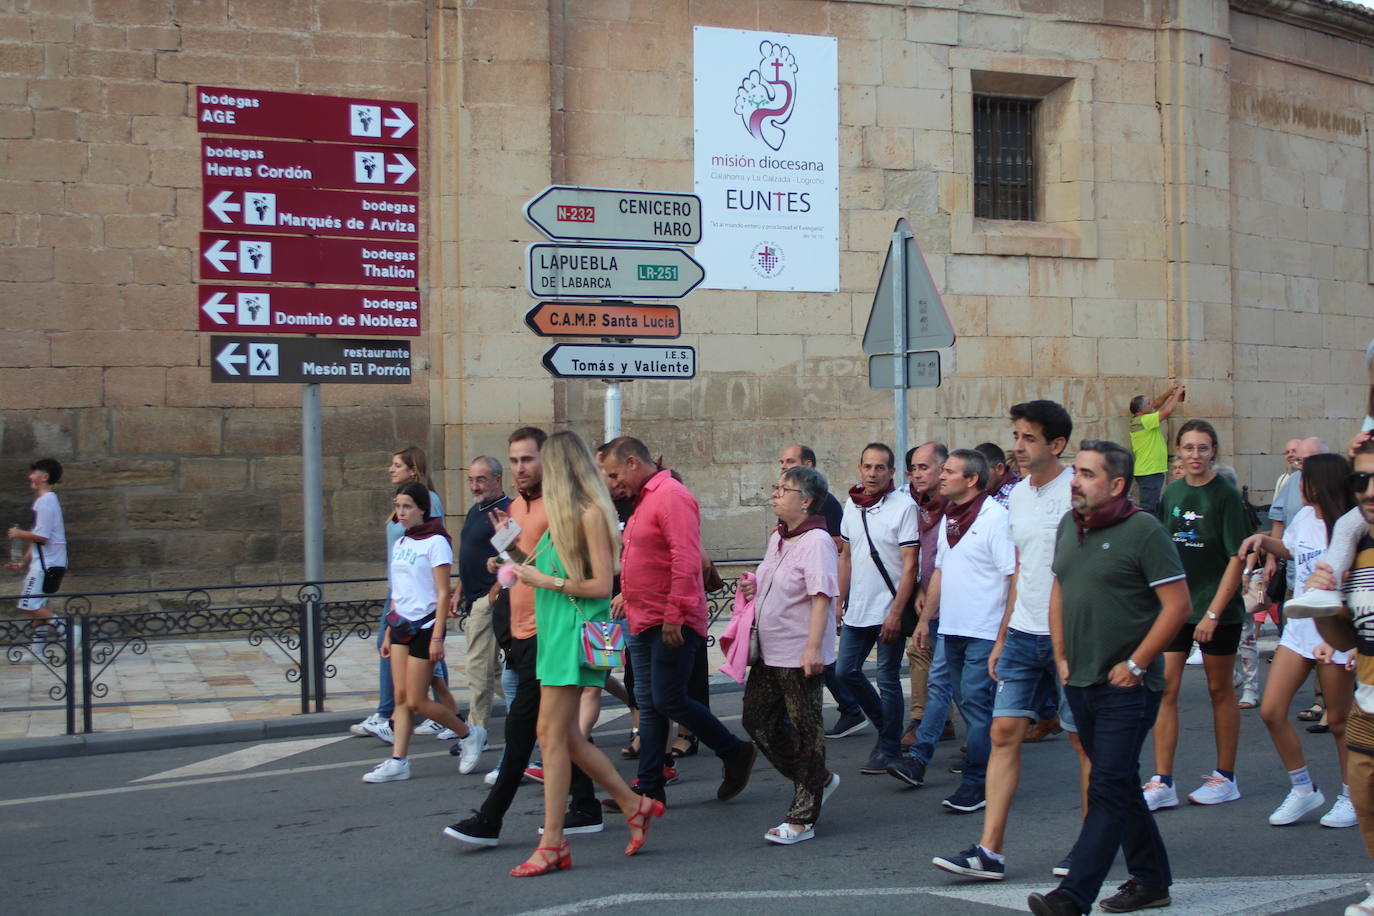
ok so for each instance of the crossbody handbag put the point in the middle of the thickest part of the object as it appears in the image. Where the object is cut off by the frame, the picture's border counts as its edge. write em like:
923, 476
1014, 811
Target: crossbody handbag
52, 575
603, 641
908, 612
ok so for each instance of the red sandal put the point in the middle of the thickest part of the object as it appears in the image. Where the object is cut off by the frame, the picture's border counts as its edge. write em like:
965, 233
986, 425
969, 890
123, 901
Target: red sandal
562, 861
640, 821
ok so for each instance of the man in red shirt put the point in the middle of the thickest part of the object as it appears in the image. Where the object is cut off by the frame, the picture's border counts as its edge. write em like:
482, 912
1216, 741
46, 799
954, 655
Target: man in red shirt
665, 606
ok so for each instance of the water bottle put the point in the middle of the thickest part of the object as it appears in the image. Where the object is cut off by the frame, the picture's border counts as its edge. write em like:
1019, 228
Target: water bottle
17, 547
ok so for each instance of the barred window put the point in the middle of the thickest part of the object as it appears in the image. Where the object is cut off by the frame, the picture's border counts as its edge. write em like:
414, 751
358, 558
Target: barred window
1003, 157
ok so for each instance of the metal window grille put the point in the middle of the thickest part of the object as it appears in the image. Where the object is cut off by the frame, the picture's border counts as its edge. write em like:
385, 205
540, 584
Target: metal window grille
1003, 158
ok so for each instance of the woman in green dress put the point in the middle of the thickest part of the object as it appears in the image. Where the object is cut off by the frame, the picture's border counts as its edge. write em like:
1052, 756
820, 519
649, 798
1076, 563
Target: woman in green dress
571, 570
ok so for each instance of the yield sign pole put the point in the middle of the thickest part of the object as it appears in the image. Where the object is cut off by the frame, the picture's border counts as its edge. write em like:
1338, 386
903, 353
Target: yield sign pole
899, 407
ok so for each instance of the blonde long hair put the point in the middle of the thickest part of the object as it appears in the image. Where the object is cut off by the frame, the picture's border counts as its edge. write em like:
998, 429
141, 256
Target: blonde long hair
572, 484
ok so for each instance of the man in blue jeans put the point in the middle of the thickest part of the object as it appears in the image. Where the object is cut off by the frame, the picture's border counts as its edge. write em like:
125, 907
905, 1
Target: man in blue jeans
1119, 597
878, 559
974, 562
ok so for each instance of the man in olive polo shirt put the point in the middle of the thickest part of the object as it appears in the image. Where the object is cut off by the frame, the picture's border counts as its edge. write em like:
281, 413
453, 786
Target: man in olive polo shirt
1119, 597
1147, 442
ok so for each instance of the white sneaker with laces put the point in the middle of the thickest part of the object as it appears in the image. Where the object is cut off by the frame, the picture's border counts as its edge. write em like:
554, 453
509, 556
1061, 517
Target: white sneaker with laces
389, 770
1158, 795
1297, 805
1214, 790
490, 778
446, 734
471, 748
428, 727
1342, 813
364, 728
382, 732
1366, 906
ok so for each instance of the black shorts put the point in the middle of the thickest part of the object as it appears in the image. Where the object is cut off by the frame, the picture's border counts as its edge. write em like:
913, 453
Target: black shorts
1225, 639
418, 647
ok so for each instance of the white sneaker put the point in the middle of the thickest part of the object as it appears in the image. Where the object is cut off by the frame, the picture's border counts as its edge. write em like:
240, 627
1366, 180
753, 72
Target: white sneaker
445, 734
490, 778
1297, 805
1195, 657
1365, 907
1342, 813
1316, 602
1248, 699
382, 732
428, 727
471, 748
1158, 795
364, 728
389, 770
1214, 790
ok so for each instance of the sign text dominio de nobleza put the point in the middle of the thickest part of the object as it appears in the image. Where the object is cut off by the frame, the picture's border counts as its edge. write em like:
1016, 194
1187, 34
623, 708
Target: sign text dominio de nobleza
306, 310
259, 113
610, 272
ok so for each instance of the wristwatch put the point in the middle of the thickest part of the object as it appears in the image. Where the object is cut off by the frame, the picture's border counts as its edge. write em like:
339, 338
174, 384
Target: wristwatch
559, 583
1136, 670
1211, 616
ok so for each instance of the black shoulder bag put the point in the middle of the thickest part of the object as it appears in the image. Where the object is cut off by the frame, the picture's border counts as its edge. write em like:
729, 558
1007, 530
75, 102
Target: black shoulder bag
908, 612
52, 575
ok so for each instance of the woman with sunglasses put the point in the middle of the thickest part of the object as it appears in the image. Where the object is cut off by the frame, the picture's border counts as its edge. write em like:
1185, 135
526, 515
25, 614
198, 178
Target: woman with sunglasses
1327, 497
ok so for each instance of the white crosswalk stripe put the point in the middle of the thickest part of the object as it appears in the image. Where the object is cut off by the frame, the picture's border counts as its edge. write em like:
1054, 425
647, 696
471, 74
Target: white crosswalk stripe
245, 759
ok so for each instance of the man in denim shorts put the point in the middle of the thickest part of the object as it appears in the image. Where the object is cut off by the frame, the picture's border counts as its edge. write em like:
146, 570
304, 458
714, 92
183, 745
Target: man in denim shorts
1022, 660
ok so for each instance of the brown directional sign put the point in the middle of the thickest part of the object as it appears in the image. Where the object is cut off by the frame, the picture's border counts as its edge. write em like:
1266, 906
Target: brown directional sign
258, 113
604, 319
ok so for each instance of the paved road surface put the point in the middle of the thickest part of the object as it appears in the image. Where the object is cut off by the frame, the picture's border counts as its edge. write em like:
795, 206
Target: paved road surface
289, 826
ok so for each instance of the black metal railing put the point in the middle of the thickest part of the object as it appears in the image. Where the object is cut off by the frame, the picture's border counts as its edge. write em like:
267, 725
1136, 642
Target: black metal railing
80, 646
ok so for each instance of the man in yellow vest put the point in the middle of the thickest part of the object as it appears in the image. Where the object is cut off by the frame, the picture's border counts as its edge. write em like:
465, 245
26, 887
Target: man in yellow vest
1147, 441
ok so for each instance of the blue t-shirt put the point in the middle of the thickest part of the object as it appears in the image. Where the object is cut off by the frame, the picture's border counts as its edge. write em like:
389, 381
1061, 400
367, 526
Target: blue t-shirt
474, 548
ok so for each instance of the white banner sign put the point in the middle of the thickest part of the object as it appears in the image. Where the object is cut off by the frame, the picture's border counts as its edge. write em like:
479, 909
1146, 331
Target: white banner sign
767, 159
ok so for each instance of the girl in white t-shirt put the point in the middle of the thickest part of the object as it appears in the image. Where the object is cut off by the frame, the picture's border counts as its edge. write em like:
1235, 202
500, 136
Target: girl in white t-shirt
416, 624
47, 545
1327, 496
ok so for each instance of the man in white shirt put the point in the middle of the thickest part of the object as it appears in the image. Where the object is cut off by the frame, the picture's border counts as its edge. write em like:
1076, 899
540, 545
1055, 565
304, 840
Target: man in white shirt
1022, 660
877, 580
46, 549
974, 562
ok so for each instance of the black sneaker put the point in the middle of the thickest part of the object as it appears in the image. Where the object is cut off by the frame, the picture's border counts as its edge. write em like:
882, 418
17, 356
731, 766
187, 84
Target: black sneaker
477, 830
966, 799
877, 763
973, 863
1133, 896
575, 822
1055, 903
1062, 869
909, 770
735, 773
848, 724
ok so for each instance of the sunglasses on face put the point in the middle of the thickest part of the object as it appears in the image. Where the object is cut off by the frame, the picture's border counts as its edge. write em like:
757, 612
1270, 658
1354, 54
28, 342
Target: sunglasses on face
1359, 481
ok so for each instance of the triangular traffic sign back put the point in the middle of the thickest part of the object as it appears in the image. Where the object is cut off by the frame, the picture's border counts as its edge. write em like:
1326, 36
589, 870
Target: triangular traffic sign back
927, 323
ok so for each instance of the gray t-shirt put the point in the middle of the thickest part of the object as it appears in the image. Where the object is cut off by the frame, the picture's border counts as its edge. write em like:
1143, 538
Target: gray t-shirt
1287, 501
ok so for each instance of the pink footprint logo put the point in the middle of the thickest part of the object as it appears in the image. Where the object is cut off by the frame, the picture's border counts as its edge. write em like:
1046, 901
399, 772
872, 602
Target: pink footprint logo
767, 95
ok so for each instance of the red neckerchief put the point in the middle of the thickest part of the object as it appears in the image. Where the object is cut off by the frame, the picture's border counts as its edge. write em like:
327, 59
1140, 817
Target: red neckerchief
959, 519
1115, 512
429, 529
930, 507
863, 500
810, 523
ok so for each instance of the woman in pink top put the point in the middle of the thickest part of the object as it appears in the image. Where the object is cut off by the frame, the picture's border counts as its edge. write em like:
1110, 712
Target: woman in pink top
794, 616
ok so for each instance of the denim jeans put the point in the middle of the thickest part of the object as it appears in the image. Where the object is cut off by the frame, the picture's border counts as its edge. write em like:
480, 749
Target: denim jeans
661, 676
843, 698
1028, 680
884, 707
939, 692
1112, 724
1151, 486
967, 660
510, 680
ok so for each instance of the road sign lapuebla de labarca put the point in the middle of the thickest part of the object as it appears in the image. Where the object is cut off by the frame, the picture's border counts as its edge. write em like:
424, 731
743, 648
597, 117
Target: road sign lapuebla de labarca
306, 310
616, 215
604, 319
610, 272
258, 113
309, 359
311, 260
620, 361
270, 164
298, 211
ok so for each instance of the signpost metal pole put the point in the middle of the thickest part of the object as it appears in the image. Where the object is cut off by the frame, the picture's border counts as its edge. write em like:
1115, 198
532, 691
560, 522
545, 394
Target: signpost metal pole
899, 408
612, 410
311, 477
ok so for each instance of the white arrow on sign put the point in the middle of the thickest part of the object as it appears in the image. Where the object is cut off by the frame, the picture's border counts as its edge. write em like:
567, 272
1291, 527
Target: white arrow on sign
217, 308
230, 358
222, 207
401, 122
217, 255
401, 167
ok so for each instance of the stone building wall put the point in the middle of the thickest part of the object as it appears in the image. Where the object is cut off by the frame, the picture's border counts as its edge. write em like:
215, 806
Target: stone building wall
170, 480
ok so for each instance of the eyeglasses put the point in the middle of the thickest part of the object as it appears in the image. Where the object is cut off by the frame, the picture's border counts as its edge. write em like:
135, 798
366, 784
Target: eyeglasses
1359, 481
779, 488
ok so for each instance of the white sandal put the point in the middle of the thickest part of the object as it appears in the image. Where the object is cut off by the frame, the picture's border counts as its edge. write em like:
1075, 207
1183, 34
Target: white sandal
786, 835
